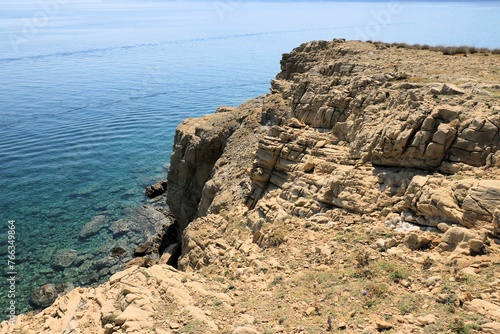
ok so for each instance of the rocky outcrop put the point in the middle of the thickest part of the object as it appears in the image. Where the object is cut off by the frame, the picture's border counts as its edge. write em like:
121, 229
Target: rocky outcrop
133, 300
199, 144
468, 202
363, 131
361, 194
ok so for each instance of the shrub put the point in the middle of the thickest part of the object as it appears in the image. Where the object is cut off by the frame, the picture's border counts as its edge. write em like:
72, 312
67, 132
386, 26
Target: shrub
407, 304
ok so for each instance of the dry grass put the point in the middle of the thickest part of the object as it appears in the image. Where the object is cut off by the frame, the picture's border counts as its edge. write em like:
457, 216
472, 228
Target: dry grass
445, 50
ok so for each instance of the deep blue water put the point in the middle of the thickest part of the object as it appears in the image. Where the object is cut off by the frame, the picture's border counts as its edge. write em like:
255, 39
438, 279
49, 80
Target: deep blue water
92, 90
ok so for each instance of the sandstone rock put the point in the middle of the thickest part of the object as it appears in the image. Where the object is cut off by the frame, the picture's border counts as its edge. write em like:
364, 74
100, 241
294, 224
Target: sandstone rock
170, 254
417, 242
491, 327
433, 280
483, 307
93, 226
477, 247
144, 249
132, 314
443, 227
156, 189
145, 261
383, 324
310, 310
245, 330
342, 325
447, 89
496, 222
198, 145
427, 320
63, 258
457, 235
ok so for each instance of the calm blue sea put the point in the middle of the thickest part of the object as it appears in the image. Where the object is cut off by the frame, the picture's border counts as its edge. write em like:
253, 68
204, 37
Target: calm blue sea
92, 90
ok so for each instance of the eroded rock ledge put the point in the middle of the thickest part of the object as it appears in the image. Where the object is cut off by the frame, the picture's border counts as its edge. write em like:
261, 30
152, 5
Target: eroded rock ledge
361, 195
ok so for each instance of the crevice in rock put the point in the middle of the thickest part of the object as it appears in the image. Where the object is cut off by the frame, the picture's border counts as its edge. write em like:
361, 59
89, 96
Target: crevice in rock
171, 242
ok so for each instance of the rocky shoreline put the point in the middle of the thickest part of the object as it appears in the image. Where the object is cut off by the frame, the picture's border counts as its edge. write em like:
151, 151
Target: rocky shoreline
124, 238
362, 194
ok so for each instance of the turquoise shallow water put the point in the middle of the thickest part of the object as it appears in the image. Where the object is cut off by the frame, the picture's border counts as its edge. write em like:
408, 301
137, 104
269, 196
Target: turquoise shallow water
91, 95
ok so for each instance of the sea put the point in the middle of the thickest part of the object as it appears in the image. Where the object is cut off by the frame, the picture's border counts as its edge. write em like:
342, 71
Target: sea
91, 92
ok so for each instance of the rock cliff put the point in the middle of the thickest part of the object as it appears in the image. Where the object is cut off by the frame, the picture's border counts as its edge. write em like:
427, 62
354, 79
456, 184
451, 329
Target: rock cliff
362, 194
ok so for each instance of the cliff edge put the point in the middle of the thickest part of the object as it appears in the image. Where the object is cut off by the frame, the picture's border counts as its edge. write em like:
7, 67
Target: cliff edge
362, 194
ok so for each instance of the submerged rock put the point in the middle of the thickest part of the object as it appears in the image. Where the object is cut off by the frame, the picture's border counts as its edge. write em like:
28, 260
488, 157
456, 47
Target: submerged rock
93, 226
121, 227
63, 258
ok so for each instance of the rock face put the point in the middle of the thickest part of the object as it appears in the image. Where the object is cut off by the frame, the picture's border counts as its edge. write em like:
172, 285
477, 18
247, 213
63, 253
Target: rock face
198, 146
364, 188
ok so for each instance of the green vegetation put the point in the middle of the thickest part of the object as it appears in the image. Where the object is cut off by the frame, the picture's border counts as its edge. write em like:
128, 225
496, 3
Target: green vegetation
193, 327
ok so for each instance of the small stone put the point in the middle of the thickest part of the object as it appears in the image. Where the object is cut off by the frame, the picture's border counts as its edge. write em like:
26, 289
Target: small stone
405, 283
416, 242
382, 324
391, 243
427, 320
443, 227
108, 328
342, 325
310, 310
323, 250
174, 325
245, 330
431, 281
380, 243
477, 247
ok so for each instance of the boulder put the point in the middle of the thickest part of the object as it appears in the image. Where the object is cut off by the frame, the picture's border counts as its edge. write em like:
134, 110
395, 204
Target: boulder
132, 314
45, 295
245, 330
447, 89
415, 241
455, 236
144, 248
145, 261
156, 189
171, 254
